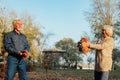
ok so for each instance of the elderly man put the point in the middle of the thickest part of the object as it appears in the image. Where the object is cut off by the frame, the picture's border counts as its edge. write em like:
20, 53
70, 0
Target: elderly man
104, 48
17, 47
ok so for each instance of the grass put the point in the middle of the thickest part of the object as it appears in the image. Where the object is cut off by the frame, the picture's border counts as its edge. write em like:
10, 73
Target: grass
81, 74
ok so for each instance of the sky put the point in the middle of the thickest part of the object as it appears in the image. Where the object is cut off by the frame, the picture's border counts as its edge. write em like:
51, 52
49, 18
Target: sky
63, 18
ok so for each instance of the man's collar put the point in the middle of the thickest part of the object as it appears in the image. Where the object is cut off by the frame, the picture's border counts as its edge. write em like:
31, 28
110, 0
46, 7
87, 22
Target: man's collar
16, 32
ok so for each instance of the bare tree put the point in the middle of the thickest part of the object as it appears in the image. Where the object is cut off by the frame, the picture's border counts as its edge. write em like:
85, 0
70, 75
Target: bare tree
104, 13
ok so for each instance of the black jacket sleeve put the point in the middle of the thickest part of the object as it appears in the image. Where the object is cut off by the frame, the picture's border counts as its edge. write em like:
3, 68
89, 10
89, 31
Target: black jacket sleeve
9, 45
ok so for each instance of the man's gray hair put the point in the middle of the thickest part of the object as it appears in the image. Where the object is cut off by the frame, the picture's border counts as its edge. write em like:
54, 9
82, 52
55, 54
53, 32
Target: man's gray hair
108, 29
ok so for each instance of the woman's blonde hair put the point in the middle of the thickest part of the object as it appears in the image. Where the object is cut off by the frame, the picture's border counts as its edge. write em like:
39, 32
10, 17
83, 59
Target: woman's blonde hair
108, 29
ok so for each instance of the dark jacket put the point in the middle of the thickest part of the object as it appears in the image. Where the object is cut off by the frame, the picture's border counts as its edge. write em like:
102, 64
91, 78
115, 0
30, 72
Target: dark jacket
14, 42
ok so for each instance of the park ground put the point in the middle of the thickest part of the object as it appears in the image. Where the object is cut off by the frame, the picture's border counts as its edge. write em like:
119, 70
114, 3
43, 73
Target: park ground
68, 74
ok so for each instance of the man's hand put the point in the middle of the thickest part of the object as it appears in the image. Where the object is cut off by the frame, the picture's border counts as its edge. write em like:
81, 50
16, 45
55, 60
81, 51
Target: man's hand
20, 53
24, 54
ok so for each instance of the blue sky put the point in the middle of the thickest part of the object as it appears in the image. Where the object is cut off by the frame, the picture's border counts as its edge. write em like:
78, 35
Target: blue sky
63, 18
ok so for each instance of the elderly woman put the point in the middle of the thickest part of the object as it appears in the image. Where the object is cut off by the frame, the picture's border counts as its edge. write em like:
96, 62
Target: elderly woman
104, 48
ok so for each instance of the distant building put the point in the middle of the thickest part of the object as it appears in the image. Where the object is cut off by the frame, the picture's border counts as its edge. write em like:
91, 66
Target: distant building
80, 65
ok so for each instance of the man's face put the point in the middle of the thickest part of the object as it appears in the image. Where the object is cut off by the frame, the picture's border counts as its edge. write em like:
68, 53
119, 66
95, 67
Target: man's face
18, 25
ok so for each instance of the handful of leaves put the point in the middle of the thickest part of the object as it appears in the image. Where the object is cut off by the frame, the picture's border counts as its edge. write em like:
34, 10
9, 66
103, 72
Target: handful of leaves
25, 54
83, 45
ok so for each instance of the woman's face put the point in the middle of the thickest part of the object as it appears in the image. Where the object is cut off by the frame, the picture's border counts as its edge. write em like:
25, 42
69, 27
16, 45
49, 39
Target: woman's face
104, 33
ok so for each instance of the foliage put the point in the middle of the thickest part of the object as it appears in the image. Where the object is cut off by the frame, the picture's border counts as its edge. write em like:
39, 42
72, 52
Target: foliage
116, 55
90, 59
105, 12
33, 33
71, 54
117, 24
